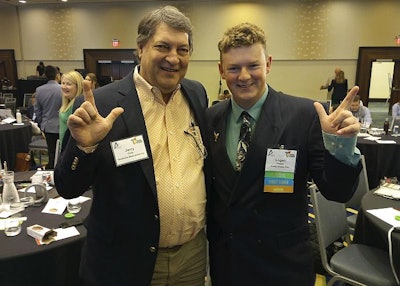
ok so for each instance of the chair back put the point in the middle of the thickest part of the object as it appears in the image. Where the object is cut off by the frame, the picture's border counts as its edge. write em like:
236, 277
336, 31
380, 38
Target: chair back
11, 104
58, 151
27, 99
330, 222
362, 188
7, 95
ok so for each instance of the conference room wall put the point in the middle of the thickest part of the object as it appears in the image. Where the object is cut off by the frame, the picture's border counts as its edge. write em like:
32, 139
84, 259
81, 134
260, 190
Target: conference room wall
307, 40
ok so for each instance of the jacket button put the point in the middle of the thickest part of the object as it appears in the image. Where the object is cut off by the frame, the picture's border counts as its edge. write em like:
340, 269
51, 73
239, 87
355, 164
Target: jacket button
155, 217
152, 249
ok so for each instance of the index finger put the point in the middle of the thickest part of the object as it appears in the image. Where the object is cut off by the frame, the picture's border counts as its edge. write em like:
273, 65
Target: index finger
345, 104
87, 92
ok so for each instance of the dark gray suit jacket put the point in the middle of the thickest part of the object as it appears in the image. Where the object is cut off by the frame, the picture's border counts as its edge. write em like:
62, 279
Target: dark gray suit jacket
259, 238
123, 226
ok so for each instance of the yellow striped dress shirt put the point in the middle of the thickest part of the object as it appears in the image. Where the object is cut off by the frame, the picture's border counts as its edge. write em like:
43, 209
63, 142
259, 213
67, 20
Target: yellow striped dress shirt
176, 144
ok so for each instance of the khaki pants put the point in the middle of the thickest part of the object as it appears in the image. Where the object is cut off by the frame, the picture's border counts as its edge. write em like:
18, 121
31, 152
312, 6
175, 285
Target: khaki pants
182, 266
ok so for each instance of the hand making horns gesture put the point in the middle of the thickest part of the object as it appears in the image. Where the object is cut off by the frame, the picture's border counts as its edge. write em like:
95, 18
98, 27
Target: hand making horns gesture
86, 125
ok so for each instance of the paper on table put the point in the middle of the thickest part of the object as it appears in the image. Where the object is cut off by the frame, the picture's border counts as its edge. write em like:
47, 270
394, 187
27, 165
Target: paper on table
9, 120
63, 233
387, 215
372, 138
55, 206
3, 221
58, 205
385, 141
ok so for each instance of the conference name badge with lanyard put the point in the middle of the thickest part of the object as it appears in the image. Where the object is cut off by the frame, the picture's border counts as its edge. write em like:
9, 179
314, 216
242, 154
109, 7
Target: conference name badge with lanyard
280, 166
129, 150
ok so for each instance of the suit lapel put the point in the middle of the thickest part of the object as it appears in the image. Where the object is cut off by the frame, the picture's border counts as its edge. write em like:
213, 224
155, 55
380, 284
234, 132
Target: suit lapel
134, 122
266, 135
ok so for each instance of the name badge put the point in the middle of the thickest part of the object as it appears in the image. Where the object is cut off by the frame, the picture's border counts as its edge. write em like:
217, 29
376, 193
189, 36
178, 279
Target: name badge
129, 150
280, 166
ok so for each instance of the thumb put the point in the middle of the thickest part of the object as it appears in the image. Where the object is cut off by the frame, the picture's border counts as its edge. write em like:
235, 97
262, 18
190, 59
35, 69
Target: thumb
114, 115
320, 111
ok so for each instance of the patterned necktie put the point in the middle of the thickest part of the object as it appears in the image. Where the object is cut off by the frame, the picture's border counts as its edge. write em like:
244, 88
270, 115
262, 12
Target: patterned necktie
244, 140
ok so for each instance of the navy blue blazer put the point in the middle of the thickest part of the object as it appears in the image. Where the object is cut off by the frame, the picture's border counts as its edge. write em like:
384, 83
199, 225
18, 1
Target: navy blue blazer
123, 225
258, 238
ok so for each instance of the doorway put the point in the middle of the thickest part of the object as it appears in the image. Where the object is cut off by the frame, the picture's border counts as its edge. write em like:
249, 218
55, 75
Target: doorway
109, 64
366, 57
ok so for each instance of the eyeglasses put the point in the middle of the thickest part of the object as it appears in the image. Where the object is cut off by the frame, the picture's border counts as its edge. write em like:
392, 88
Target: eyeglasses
201, 149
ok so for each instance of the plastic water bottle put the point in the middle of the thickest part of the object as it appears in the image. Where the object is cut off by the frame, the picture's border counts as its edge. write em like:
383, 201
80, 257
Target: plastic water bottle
18, 116
386, 125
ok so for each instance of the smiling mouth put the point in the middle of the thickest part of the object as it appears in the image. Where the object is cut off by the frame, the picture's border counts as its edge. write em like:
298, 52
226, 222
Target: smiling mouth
169, 69
244, 85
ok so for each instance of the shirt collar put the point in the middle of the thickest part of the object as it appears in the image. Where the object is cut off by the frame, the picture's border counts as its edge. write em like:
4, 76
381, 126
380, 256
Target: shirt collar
155, 92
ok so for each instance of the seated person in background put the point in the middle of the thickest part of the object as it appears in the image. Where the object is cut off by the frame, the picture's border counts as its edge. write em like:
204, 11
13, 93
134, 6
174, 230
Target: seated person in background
93, 79
396, 109
361, 112
224, 95
30, 112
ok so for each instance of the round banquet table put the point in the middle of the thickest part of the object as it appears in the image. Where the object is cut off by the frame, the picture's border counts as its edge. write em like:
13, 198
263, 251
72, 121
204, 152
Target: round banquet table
382, 160
23, 262
372, 231
14, 138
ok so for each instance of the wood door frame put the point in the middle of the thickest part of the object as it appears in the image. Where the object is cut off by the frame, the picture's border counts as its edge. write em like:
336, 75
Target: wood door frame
366, 56
92, 56
8, 57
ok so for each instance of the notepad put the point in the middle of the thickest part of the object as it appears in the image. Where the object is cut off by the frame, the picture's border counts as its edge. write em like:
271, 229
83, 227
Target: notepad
388, 190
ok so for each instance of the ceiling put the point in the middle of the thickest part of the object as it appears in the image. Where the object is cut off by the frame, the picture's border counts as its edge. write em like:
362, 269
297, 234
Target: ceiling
35, 2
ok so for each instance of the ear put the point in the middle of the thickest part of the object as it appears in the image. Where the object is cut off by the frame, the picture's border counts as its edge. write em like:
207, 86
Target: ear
268, 63
221, 70
140, 52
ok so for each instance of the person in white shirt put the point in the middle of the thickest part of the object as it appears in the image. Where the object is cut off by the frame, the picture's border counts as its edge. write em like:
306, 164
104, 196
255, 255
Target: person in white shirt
361, 112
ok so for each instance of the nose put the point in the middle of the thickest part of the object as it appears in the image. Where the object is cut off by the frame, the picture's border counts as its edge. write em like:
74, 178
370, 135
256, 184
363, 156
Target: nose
172, 57
244, 74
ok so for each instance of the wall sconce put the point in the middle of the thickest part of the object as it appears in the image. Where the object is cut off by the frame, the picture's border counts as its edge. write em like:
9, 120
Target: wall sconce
397, 39
115, 43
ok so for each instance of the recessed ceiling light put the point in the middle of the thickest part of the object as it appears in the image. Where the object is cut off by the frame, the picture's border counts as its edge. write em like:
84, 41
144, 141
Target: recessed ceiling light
22, 1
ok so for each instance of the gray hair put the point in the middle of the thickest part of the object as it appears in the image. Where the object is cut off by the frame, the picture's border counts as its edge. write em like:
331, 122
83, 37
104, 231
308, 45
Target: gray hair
169, 15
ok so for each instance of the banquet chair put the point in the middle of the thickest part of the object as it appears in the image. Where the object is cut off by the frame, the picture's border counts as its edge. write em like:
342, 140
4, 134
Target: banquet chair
38, 144
27, 99
355, 264
11, 103
7, 95
362, 188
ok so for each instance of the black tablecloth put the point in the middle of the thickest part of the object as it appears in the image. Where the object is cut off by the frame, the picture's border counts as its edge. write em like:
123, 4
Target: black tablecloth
372, 231
382, 160
23, 262
14, 139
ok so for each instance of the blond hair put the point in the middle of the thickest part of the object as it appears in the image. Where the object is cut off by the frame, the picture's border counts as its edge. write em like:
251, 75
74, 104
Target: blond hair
77, 79
340, 77
242, 35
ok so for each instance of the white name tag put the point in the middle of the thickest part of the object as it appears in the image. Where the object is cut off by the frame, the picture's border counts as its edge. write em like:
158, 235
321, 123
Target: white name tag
129, 150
